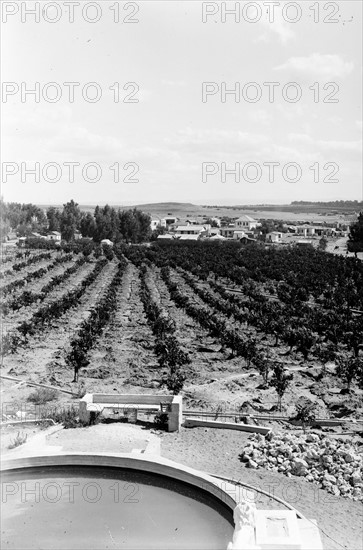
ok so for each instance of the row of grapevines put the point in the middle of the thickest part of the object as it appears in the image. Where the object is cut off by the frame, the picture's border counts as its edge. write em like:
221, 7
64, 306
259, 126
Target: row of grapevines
92, 328
47, 313
167, 348
19, 283
27, 298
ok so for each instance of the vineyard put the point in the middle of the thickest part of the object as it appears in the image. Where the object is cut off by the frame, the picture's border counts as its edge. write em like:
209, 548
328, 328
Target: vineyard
229, 326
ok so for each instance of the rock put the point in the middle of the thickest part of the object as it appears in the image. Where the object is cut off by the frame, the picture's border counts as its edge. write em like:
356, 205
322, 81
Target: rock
334, 490
299, 463
248, 451
349, 457
356, 479
333, 464
313, 437
302, 472
330, 478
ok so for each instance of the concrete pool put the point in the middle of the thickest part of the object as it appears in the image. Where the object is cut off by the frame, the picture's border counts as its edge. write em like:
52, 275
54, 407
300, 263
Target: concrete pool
99, 502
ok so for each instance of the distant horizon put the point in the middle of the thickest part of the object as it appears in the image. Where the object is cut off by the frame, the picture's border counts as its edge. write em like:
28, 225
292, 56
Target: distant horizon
201, 203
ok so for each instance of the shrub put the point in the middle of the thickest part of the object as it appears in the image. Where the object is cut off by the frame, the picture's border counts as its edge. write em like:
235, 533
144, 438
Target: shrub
305, 412
42, 396
68, 416
161, 420
19, 440
81, 390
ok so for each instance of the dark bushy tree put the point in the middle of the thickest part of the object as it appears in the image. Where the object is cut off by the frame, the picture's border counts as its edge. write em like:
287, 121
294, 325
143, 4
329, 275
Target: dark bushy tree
355, 242
281, 379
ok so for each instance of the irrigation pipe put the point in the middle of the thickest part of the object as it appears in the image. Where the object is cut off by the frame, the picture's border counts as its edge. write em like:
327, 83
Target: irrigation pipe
36, 384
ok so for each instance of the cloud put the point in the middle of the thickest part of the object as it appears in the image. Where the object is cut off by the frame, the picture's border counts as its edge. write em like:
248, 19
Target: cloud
339, 148
318, 65
174, 83
260, 116
279, 27
214, 141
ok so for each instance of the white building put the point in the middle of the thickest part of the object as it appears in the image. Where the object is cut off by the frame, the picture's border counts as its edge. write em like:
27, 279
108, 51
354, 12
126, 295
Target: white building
106, 242
167, 221
305, 230
227, 231
274, 237
54, 236
155, 222
246, 222
200, 230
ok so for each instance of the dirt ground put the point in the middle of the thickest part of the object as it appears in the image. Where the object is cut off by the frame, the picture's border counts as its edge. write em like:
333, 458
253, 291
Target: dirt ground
215, 452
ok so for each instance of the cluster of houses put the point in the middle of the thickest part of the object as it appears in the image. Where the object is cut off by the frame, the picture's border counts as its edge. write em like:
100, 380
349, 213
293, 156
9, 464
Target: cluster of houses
56, 237
245, 229
192, 230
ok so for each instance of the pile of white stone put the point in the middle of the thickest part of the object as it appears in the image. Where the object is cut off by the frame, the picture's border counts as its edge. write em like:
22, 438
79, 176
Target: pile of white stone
335, 466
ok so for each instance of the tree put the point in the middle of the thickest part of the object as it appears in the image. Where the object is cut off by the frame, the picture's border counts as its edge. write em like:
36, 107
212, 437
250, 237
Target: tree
348, 368
212, 223
172, 357
278, 328
263, 365
353, 335
88, 225
70, 220
323, 243
355, 242
175, 381
326, 352
108, 252
281, 379
266, 227
158, 231
305, 412
77, 359
54, 219
305, 341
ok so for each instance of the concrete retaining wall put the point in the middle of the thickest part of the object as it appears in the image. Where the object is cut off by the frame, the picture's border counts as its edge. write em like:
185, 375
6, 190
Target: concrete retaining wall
192, 423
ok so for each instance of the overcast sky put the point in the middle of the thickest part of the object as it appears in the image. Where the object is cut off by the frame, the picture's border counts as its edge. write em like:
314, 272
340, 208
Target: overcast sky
170, 132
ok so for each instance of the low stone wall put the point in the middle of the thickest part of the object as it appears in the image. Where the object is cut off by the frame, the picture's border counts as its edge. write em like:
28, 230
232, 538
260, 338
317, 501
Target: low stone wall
96, 402
335, 466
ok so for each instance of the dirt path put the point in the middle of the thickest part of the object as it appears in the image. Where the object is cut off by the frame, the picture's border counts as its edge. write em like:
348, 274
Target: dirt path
124, 354
217, 452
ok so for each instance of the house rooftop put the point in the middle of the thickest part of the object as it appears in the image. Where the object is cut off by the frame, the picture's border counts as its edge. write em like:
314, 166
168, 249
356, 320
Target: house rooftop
245, 218
191, 227
187, 237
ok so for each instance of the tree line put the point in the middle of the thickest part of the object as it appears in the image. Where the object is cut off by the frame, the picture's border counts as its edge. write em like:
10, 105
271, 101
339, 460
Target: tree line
131, 226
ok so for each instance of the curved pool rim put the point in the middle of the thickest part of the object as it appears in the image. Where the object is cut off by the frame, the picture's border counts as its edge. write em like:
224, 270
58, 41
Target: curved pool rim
152, 464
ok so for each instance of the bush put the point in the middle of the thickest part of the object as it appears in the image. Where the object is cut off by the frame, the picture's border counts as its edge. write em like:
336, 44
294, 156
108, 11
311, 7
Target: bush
161, 420
42, 396
68, 416
305, 412
19, 440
